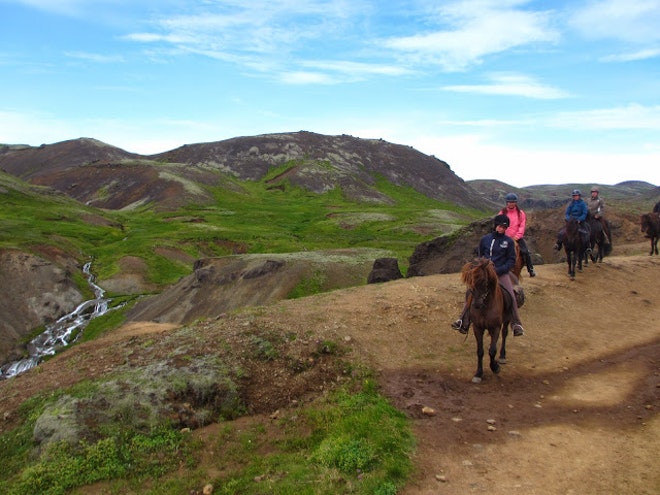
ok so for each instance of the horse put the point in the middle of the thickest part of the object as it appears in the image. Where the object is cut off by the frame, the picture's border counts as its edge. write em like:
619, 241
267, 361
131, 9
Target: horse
599, 248
575, 246
490, 308
520, 261
650, 223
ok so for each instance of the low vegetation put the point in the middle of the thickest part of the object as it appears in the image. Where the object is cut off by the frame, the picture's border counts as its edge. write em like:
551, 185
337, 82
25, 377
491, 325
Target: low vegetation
350, 441
251, 217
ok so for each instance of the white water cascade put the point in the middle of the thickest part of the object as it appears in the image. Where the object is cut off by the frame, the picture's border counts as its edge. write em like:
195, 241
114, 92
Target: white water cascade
62, 332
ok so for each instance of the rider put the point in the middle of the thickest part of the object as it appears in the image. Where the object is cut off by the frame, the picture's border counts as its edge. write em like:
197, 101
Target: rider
516, 229
596, 207
578, 210
499, 248
656, 208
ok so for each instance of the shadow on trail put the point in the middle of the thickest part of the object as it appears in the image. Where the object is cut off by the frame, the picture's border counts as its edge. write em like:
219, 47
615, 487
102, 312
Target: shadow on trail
519, 401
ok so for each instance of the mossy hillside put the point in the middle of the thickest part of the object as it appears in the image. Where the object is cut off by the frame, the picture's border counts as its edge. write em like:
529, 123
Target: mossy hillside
248, 217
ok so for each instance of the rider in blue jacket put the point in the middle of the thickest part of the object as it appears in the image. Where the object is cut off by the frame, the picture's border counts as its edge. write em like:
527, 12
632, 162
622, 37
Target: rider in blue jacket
578, 210
501, 250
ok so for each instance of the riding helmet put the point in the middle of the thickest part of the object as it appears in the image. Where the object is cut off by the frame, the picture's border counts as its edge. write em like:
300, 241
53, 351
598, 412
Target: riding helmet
511, 198
595, 189
501, 220
576, 192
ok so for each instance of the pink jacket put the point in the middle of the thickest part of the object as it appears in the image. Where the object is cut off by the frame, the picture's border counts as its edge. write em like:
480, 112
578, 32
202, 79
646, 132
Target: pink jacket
517, 222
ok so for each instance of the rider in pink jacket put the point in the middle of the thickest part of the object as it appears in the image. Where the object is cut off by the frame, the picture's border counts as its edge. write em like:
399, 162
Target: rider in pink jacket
516, 229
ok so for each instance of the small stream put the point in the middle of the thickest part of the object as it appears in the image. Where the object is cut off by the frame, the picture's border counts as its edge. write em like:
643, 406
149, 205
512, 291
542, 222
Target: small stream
63, 332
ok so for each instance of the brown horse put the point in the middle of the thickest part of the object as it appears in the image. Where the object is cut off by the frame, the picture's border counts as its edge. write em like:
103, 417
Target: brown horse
650, 223
490, 310
520, 261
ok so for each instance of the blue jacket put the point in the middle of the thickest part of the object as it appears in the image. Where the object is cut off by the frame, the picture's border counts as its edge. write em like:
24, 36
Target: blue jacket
500, 249
577, 209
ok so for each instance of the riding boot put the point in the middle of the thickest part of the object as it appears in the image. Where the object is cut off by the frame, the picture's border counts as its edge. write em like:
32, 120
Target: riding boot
530, 266
608, 241
462, 324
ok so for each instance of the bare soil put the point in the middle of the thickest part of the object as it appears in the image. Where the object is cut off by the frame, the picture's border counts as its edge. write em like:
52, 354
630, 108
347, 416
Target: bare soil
574, 410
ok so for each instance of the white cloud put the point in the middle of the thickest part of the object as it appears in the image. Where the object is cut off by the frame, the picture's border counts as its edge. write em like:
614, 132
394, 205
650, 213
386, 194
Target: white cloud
473, 157
511, 85
478, 29
634, 56
632, 116
96, 57
635, 21
358, 69
305, 77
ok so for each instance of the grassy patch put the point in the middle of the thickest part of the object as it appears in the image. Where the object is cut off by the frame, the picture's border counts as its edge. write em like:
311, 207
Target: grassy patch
352, 441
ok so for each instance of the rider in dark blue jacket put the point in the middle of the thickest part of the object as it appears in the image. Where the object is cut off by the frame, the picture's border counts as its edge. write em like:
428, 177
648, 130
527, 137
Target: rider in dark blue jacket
501, 250
577, 209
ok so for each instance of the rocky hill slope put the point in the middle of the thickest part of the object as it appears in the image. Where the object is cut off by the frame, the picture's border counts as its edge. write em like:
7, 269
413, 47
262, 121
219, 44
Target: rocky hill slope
107, 177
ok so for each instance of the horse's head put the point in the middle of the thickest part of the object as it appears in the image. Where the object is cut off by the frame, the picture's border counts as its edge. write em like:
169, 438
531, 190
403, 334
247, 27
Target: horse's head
645, 222
481, 278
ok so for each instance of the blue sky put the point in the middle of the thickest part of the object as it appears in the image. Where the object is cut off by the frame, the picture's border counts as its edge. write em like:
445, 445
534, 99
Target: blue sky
526, 92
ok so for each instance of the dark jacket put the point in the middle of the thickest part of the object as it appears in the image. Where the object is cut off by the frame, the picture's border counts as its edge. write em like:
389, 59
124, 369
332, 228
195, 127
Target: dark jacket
500, 249
577, 209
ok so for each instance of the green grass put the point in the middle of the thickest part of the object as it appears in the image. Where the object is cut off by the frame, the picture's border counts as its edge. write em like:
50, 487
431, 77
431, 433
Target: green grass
352, 441
355, 442
124, 455
248, 217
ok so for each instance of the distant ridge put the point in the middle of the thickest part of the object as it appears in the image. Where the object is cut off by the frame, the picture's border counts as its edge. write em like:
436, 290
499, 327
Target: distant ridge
312, 161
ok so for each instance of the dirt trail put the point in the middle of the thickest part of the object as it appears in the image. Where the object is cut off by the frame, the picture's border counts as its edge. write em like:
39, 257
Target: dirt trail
574, 411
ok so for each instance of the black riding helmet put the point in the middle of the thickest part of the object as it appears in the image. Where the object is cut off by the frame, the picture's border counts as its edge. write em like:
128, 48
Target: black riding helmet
501, 220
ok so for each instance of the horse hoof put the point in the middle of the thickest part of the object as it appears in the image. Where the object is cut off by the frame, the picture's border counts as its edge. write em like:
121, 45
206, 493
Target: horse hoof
502, 360
476, 379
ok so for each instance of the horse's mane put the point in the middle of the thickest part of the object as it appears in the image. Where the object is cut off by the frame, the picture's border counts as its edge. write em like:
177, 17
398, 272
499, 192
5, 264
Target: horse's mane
571, 227
479, 271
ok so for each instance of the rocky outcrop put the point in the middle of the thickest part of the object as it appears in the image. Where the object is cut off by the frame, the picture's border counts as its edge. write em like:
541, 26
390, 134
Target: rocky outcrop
33, 291
384, 270
220, 285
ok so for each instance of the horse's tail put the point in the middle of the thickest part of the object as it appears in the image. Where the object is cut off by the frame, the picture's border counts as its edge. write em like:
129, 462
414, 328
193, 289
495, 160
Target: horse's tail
607, 249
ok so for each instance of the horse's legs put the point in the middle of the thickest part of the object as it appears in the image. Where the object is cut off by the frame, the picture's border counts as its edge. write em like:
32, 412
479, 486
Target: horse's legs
570, 259
505, 333
579, 257
492, 350
479, 335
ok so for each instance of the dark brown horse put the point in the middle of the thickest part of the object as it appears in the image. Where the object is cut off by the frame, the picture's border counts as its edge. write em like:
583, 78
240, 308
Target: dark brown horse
490, 310
575, 246
650, 223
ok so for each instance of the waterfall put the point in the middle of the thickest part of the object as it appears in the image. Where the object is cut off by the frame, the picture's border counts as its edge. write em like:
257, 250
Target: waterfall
63, 332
